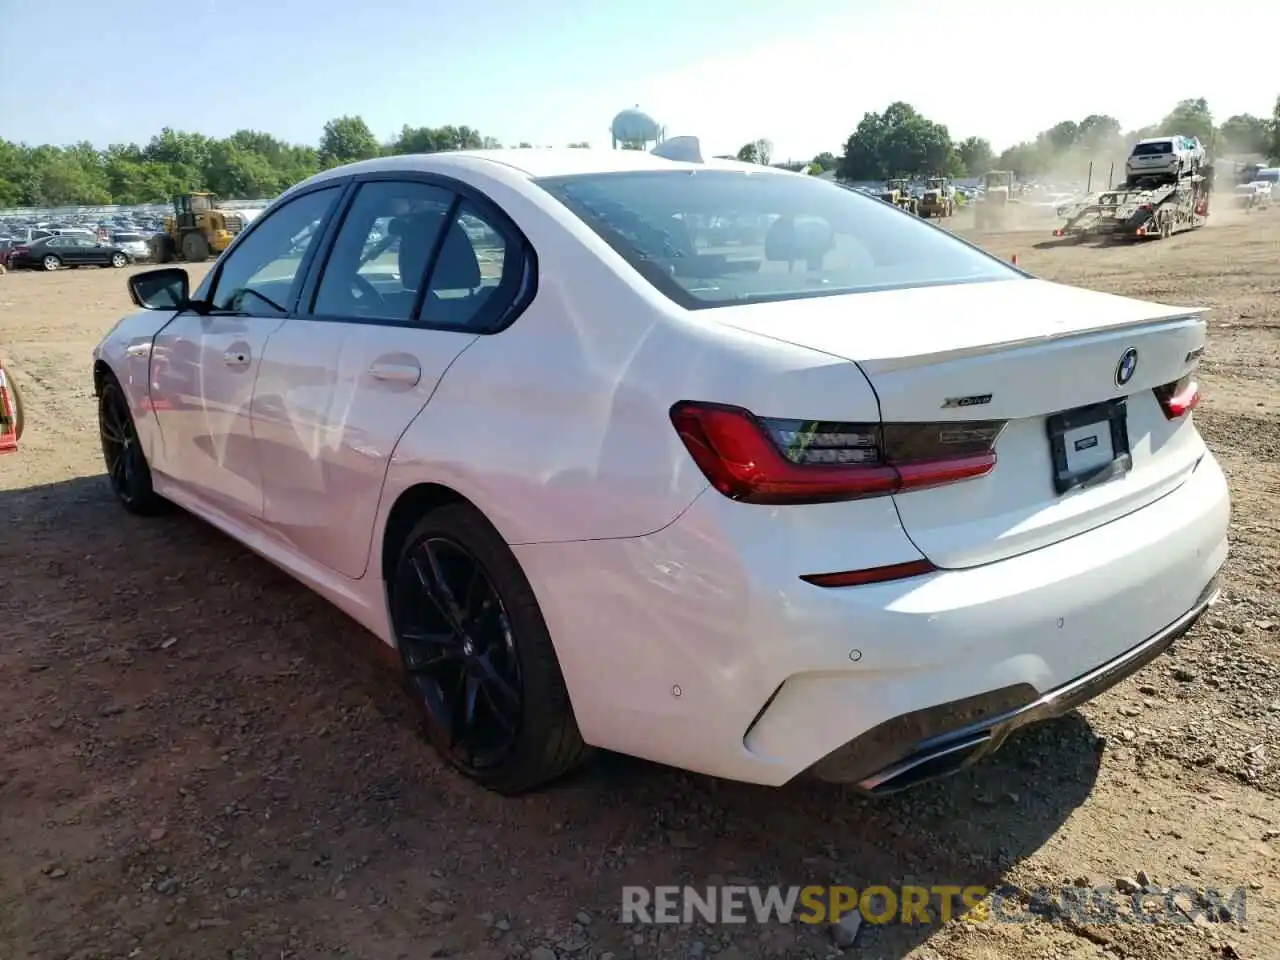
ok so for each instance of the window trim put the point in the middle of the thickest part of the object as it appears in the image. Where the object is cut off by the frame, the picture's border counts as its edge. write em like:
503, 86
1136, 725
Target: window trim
513, 295
677, 294
214, 277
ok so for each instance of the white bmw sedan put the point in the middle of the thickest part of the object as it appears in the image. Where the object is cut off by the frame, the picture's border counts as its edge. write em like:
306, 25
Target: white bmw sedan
708, 463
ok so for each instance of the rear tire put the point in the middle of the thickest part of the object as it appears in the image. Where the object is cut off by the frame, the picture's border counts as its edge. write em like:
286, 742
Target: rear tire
128, 472
478, 658
51, 263
119, 260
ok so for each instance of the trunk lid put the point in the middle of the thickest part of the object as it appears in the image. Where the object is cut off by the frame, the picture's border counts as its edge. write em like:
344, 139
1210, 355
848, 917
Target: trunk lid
1019, 351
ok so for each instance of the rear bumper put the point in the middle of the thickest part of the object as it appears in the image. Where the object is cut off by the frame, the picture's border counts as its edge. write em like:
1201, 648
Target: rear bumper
698, 646
963, 745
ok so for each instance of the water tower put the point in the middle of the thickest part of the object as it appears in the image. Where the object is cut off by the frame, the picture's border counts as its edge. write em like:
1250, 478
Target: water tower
635, 128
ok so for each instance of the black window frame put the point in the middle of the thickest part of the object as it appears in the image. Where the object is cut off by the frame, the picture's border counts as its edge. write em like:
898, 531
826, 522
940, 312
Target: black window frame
209, 286
511, 297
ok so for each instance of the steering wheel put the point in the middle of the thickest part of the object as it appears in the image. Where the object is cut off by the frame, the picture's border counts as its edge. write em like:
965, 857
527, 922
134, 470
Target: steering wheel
368, 294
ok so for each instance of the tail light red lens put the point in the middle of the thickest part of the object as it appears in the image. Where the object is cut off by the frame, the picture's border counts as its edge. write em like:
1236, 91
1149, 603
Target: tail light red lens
774, 461
1179, 398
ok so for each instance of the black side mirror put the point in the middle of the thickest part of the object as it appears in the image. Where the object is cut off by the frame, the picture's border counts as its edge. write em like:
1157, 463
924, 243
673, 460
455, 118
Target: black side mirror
168, 288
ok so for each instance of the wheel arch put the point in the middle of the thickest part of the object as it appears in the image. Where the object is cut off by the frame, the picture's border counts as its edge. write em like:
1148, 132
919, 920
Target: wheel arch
408, 509
101, 370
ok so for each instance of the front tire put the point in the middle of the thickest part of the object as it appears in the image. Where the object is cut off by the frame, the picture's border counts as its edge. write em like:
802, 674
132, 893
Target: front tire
127, 469
161, 248
119, 260
478, 659
195, 248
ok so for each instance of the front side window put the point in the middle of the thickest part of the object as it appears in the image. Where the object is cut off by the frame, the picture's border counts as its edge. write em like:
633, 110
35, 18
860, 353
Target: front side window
716, 237
380, 257
262, 274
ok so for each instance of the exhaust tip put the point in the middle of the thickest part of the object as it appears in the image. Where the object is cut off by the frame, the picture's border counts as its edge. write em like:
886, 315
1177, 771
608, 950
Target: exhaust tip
926, 765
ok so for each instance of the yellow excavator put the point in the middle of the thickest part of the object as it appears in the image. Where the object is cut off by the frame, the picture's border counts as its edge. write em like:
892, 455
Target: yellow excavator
196, 230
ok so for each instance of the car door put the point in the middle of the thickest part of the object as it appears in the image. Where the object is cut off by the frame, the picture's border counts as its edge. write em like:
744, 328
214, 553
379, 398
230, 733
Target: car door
204, 364
409, 281
91, 253
69, 252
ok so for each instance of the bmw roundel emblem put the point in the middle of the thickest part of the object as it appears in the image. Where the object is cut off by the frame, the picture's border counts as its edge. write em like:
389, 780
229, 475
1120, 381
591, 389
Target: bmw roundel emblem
1127, 366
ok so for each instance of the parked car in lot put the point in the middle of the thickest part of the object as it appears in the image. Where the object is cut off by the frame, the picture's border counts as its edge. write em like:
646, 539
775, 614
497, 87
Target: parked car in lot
134, 244
855, 499
54, 253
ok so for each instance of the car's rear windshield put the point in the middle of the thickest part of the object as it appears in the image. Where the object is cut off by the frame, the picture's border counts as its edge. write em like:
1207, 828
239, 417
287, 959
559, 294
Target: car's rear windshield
1152, 149
709, 238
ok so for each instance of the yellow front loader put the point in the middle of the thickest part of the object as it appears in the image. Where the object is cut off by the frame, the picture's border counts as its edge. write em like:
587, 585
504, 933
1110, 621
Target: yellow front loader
196, 230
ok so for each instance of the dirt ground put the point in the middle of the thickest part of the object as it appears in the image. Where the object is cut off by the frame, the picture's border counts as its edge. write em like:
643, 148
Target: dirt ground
200, 759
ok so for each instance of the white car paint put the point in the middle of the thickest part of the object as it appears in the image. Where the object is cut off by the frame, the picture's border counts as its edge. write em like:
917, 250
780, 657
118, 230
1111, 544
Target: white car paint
682, 625
1164, 155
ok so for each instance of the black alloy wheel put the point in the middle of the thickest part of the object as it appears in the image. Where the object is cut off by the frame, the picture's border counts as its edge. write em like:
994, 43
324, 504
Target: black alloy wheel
477, 656
459, 651
127, 469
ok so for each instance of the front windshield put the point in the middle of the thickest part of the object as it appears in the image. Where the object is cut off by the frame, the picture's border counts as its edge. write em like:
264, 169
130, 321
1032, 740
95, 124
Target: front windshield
714, 237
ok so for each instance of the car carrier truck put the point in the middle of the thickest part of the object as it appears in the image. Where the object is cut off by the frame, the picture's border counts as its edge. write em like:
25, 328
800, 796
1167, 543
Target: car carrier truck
1152, 206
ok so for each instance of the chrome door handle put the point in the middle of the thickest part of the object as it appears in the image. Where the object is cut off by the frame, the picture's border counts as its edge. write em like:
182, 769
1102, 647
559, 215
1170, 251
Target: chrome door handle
396, 373
235, 358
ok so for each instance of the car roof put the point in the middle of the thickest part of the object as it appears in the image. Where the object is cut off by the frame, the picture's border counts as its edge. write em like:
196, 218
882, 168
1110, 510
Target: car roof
1159, 139
534, 163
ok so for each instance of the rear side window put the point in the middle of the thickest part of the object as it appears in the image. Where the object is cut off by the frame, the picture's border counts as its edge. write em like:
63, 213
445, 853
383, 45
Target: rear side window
380, 258
1153, 149
709, 238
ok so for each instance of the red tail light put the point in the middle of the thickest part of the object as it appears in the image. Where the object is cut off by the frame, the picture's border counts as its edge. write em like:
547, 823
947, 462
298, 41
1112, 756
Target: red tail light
20, 250
762, 460
1179, 398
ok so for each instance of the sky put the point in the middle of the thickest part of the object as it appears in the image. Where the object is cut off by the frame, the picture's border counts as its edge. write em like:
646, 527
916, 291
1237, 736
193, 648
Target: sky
552, 72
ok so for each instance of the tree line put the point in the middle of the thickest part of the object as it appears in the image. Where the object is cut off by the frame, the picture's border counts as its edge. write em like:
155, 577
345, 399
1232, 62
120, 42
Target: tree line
247, 164
899, 142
